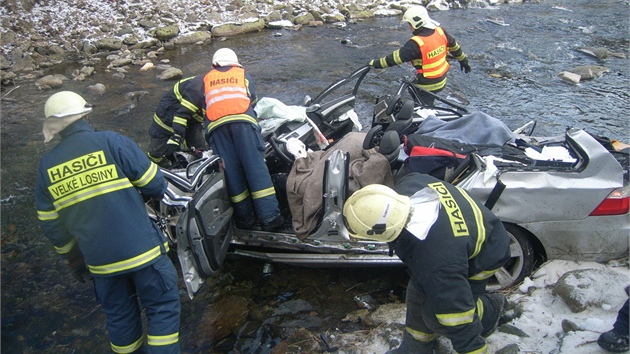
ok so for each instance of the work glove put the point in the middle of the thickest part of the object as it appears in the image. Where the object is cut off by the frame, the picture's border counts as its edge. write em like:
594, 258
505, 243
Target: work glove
173, 144
465, 66
77, 265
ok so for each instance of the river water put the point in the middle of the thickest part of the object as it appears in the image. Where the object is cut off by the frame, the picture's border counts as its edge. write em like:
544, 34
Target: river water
514, 78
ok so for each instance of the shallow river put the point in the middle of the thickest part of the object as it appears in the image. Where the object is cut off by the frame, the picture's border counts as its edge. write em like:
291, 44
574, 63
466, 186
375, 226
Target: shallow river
514, 78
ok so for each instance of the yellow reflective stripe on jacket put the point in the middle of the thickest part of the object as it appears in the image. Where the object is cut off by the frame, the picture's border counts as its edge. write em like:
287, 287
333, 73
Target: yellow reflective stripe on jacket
128, 263
481, 229
147, 176
456, 319
163, 340
239, 198
396, 56
67, 247
263, 193
161, 124
231, 119
184, 102
484, 275
127, 348
180, 121
43, 215
421, 336
92, 192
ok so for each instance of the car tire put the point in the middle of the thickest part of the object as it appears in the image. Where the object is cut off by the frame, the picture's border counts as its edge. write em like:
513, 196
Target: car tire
520, 265
165, 218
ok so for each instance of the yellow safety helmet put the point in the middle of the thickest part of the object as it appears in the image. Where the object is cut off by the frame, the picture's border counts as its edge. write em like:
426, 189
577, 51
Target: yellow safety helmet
417, 16
376, 212
62, 109
224, 57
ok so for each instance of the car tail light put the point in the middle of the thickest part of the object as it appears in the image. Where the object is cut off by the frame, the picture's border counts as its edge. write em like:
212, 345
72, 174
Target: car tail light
617, 203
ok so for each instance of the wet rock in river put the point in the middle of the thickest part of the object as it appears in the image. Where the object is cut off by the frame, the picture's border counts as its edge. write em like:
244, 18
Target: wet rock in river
193, 37
119, 62
303, 19
50, 81
233, 29
97, 89
588, 72
106, 44
220, 319
600, 52
171, 74
167, 32
569, 77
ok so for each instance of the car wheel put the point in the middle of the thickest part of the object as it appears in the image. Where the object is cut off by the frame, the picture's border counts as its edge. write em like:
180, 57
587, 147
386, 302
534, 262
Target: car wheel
165, 218
521, 263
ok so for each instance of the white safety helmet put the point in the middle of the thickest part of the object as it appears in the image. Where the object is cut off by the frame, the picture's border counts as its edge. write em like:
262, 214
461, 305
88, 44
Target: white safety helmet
62, 109
225, 57
417, 16
376, 212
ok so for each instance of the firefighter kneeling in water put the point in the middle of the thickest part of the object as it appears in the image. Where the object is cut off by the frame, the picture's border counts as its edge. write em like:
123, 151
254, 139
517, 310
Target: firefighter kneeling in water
451, 245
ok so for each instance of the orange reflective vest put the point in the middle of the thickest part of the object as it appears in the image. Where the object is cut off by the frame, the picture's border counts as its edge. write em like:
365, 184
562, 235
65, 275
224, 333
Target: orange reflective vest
225, 92
433, 49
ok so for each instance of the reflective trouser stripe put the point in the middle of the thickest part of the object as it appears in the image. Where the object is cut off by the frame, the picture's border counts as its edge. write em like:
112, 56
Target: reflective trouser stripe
421, 336
67, 247
127, 348
456, 319
163, 340
433, 87
240, 197
482, 350
231, 119
480, 308
263, 193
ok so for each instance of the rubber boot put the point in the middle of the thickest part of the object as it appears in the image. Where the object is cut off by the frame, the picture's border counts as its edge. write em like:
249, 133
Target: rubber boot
496, 309
410, 345
614, 342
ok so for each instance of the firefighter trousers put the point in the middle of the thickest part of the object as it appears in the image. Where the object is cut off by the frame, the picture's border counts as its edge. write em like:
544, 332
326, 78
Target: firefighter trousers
241, 148
153, 287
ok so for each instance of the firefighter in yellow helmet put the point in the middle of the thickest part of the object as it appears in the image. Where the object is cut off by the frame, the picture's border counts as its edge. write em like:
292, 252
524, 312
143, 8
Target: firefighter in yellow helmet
451, 244
89, 197
426, 51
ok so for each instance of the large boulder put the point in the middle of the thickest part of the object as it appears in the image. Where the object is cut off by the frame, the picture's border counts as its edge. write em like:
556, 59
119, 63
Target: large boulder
583, 288
193, 37
167, 32
234, 29
106, 44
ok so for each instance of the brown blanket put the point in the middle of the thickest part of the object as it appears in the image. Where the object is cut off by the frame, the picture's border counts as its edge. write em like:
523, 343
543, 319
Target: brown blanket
305, 181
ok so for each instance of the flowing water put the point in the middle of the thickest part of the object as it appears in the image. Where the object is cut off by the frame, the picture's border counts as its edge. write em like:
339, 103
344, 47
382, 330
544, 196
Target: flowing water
514, 78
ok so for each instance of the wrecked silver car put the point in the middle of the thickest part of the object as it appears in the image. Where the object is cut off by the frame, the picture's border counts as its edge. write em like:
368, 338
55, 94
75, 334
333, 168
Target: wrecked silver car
561, 197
